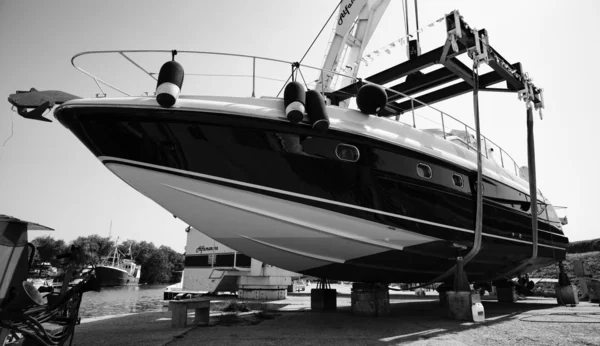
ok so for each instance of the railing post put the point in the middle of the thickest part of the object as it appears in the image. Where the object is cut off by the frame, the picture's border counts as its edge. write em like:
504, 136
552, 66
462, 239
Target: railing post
467, 137
443, 127
101, 90
501, 159
485, 147
253, 76
516, 169
412, 106
322, 83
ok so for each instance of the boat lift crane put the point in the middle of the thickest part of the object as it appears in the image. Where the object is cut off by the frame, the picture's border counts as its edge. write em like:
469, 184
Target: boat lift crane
354, 28
461, 39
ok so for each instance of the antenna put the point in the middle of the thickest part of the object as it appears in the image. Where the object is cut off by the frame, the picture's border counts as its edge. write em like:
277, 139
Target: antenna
110, 229
116, 254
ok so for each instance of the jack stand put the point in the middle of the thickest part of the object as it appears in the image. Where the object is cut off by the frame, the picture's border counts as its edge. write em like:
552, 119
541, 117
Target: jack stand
583, 277
463, 304
370, 299
594, 290
566, 293
323, 297
442, 291
505, 291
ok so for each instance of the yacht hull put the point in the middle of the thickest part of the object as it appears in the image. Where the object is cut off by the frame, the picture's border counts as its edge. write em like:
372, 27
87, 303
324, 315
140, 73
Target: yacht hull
279, 193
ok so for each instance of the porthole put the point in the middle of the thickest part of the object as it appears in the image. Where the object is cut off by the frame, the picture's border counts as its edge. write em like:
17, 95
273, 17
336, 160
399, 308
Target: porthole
458, 180
424, 171
347, 152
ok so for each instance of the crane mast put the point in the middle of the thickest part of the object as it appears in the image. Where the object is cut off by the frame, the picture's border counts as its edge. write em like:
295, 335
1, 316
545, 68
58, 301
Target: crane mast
354, 27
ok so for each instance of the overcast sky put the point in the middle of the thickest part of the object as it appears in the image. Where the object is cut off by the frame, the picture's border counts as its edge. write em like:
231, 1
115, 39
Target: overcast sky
48, 176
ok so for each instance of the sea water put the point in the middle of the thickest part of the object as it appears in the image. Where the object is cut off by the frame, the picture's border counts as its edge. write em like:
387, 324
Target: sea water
122, 300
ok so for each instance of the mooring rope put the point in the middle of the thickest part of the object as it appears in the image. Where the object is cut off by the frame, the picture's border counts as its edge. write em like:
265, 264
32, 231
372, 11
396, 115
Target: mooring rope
311, 45
320, 31
12, 124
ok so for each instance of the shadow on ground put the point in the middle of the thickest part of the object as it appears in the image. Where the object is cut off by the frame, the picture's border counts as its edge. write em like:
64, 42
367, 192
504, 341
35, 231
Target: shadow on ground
411, 322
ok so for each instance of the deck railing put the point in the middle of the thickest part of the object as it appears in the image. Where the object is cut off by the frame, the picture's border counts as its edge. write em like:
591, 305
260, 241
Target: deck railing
460, 132
424, 116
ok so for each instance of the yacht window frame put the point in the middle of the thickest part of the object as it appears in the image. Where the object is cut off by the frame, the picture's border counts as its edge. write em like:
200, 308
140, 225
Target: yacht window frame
420, 164
347, 145
462, 181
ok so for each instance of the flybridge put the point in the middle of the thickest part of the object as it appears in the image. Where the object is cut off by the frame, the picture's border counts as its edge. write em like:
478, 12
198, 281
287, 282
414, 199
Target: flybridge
461, 39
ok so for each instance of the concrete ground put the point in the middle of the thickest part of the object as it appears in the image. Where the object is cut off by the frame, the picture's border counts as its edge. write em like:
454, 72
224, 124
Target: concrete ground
414, 321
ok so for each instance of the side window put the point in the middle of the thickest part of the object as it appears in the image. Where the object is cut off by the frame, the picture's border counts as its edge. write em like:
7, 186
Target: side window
424, 171
458, 180
347, 152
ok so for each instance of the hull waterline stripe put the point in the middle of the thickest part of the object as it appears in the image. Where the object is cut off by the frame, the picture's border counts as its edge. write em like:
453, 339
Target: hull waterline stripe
295, 252
103, 159
295, 222
315, 228
265, 188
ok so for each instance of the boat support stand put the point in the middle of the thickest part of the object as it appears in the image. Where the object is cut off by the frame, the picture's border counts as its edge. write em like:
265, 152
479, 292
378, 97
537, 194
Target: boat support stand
323, 297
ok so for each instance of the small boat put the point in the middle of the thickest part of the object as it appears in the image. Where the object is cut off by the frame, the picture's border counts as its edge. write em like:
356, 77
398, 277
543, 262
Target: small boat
118, 270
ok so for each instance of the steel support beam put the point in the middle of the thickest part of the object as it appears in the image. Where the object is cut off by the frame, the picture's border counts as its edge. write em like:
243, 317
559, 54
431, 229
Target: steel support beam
497, 63
396, 72
427, 81
408, 67
485, 80
459, 69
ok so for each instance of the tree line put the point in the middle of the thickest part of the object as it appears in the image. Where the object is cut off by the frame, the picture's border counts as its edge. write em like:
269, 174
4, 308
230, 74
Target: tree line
159, 264
583, 246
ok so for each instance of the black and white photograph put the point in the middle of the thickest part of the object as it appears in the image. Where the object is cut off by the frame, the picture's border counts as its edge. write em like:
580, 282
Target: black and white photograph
318, 172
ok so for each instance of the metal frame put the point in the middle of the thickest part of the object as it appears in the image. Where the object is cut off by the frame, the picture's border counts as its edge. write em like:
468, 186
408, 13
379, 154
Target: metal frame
100, 81
463, 39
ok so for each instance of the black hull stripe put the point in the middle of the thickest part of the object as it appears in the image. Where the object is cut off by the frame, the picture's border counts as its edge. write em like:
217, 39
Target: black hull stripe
280, 119
298, 197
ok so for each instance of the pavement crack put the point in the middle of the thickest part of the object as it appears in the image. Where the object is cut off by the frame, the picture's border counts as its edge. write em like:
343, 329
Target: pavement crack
179, 336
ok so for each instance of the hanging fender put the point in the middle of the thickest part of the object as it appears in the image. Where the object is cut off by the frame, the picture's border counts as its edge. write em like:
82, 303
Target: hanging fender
170, 80
371, 98
294, 99
316, 111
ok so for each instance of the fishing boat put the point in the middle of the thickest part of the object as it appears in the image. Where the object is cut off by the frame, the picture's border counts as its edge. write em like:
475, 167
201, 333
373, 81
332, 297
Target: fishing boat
118, 270
306, 182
